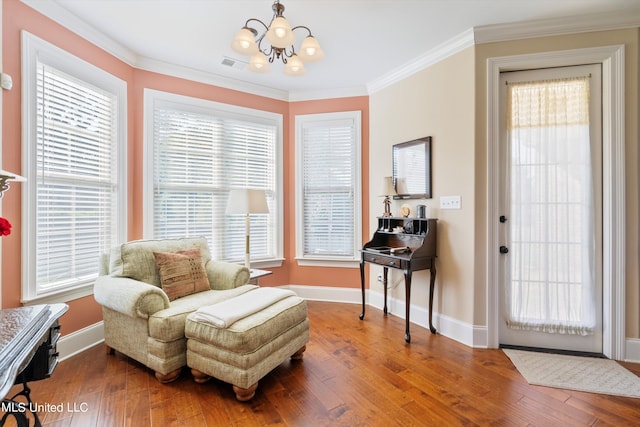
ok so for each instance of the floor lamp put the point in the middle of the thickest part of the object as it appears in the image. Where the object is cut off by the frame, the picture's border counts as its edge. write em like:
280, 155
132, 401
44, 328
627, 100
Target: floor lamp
247, 201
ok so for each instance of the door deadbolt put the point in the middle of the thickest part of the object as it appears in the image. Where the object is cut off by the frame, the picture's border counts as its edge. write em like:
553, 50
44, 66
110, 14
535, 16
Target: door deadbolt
504, 249
503, 218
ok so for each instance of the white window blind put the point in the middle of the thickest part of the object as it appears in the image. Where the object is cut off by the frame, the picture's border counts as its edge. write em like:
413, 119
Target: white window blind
74, 184
199, 155
328, 165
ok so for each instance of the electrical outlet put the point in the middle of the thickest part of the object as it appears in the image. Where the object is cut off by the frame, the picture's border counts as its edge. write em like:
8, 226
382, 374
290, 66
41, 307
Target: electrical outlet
450, 202
5, 81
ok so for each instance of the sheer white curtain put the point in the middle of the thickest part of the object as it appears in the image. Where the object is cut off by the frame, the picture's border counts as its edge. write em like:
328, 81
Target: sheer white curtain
551, 224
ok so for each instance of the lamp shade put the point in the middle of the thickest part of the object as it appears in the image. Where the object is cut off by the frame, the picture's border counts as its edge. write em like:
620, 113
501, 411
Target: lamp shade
280, 34
294, 66
310, 50
387, 186
247, 201
245, 42
259, 63
10, 176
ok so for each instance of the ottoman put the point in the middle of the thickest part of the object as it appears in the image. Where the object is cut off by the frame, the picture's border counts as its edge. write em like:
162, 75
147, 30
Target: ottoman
267, 326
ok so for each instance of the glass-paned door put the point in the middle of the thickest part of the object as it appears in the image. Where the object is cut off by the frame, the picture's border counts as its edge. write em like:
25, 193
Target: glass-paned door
551, 290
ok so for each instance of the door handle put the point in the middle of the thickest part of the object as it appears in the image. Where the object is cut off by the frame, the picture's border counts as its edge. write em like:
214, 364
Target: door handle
504, 249
503, 218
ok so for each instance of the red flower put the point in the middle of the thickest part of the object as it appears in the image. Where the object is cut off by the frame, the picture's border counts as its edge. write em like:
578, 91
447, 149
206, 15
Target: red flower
5, 227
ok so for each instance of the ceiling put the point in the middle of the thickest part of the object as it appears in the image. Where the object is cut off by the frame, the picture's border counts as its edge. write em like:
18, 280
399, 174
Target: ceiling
363, 40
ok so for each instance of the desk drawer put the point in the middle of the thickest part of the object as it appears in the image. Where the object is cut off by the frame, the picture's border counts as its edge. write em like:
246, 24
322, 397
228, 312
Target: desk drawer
383, 260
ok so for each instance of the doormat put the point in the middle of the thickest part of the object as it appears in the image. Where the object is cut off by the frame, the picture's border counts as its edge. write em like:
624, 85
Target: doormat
578, 373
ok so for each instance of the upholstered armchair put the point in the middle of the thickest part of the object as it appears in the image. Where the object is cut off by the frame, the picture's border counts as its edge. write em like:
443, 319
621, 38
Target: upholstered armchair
147, 289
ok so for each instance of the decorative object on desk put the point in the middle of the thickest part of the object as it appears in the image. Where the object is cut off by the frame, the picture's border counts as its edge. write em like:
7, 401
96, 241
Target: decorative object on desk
247, 201
5, 227
412, 169
5, 177
387, 191
422, 211
400, 250
405, 210
280, 38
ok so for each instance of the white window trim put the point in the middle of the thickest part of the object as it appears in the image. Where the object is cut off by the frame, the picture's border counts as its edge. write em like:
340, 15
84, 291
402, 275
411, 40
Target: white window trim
35, 48
151, 98
328, 261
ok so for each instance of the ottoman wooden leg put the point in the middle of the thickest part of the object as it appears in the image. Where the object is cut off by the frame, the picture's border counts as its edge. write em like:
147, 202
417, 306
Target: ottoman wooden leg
245, 394
298, 354
200, 377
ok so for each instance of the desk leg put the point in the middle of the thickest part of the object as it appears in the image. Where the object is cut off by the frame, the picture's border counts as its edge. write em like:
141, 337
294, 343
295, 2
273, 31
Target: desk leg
362, 286
407, 291
431, 287
385, 272
15, 410
18, 409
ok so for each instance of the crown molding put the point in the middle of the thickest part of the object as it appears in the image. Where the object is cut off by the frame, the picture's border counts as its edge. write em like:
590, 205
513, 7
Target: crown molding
435, 55
200, 76
57, 13
557, 26
506, 32
312, 95
468, 38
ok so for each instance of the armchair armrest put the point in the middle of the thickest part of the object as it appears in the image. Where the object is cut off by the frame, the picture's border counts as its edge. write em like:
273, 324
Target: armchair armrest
129, 296
226, 275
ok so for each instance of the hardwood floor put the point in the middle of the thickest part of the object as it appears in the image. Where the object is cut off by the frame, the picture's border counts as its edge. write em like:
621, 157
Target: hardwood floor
354, 373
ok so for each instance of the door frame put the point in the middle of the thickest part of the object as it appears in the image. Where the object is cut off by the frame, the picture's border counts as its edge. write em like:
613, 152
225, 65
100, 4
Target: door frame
613, 183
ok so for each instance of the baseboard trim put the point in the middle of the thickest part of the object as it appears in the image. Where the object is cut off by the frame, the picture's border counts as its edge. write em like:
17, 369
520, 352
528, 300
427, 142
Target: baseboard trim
632, 350
465, 333
80, 340
445, 325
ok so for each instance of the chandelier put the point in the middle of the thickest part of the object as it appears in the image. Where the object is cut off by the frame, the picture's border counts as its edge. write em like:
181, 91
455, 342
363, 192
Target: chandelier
281, 39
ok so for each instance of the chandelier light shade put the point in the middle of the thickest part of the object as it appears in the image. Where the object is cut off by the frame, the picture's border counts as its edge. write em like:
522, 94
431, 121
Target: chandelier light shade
276, 41
310, 50
294, 66
259, 63
245, 43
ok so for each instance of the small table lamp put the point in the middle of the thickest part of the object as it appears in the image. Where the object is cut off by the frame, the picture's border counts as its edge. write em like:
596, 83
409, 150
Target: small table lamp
247, 201
387, 191
5, 177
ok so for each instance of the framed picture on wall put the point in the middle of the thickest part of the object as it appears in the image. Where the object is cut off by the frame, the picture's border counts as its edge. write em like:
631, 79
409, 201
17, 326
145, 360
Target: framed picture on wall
412, 169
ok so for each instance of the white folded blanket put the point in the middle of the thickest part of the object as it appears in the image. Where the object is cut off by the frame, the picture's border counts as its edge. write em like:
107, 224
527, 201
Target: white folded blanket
225, 313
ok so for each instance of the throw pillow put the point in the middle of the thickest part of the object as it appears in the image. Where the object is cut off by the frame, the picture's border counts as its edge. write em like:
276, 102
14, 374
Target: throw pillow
181, 273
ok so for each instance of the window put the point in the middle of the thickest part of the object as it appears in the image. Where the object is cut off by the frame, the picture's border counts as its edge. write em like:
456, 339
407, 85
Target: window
328, 190
196, 151
74, 158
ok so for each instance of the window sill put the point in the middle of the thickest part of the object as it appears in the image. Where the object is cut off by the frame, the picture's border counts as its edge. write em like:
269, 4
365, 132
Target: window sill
309, 262
61, 296
269, 263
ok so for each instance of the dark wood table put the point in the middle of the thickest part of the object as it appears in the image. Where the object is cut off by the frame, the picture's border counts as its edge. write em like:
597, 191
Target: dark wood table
407, 244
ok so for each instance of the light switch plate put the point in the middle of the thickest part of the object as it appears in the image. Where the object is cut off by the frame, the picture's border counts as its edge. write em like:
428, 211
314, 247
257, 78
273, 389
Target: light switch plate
450, 202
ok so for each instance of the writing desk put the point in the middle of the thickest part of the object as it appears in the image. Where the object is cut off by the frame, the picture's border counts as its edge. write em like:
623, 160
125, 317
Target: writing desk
407, 244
